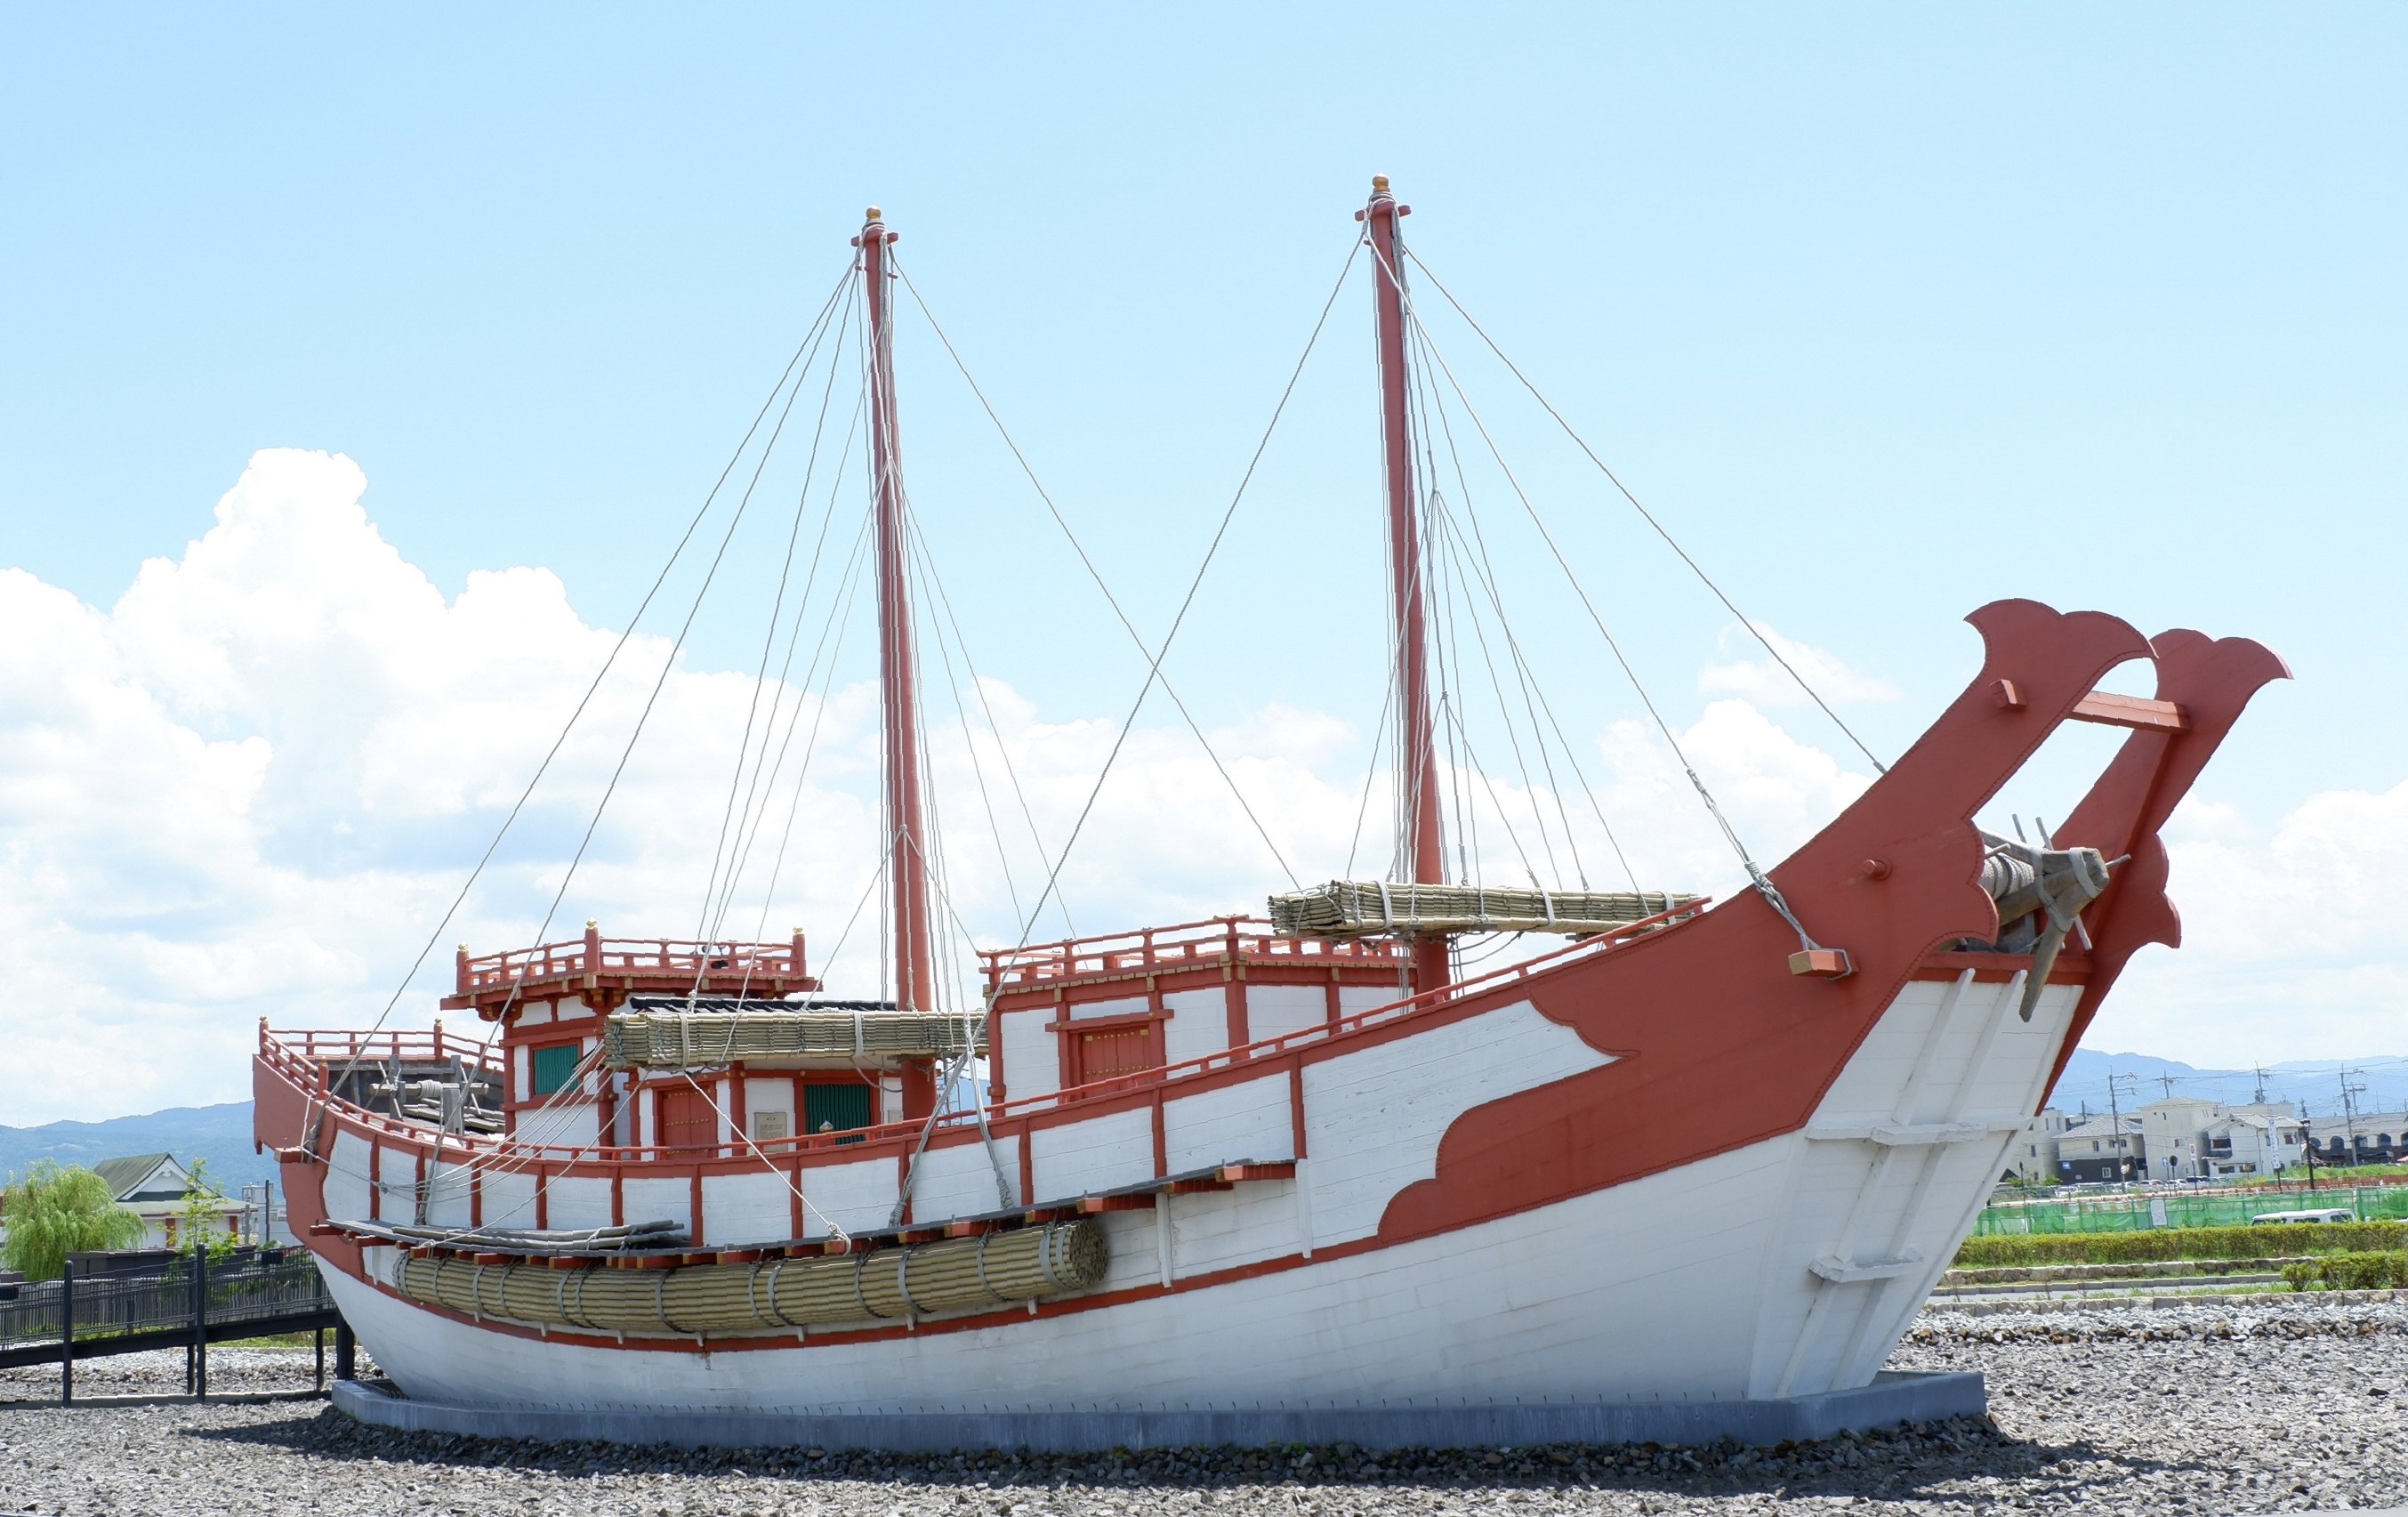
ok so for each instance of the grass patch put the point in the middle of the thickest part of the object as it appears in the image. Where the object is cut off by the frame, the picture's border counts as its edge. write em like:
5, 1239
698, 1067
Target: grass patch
2383, 1271
275, 1341
2169, 1243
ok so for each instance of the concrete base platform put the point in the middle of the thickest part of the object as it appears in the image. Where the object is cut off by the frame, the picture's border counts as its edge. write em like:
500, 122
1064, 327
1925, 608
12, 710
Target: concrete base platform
1891, 1398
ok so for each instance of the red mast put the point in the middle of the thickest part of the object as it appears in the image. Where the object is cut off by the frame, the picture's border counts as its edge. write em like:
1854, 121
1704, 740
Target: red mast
1417, 750
914, 989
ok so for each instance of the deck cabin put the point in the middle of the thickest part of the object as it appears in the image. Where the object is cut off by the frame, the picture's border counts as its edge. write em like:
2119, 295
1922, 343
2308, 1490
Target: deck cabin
1087, 1009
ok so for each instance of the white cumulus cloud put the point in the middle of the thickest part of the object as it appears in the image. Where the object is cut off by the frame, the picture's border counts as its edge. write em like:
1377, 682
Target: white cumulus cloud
1763, 681
2293, 943
252, 787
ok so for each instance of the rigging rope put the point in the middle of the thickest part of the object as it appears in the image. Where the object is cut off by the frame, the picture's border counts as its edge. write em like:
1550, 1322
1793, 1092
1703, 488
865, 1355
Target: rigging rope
1534, 699
810, 675
1649, 516
837, 622
707, 924
1153, 668
1003, 750
1762, 882
926, 564
607, 664
1154, 673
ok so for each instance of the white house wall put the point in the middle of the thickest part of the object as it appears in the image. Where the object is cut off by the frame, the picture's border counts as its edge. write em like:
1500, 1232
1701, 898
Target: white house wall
1228, 1124
959, 1180
746, 1208
572, 1201
856, 1196
1032, 1059
1198, 1024
776, 1095
1097, 1154
509, 1198
1277, 1010
1354, 998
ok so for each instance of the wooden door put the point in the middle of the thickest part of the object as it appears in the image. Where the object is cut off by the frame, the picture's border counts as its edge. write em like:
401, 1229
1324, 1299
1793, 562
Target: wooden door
1107, 1051
687, 1120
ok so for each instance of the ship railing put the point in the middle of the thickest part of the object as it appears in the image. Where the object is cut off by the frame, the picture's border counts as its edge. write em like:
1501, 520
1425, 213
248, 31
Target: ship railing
503, 1149
303, 1051
651, 956
1214, 940
1477, 985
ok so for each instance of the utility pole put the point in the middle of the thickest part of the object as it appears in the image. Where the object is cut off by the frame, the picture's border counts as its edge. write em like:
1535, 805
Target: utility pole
2349, 1091
2261, 1071
2168, 1081
2115, 1119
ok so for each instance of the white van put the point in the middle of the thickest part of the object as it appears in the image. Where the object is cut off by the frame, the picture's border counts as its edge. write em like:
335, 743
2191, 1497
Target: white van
2329, 1214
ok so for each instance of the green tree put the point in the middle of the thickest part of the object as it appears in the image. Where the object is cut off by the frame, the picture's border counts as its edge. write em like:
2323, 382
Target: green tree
55, 1211
203, 1217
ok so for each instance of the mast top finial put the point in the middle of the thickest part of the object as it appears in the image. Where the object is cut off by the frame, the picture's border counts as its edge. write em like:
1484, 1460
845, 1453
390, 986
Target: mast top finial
871, 214
1379, 184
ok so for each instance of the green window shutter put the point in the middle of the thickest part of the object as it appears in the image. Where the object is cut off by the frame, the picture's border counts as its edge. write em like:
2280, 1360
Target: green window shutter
842, 1108
554, 1067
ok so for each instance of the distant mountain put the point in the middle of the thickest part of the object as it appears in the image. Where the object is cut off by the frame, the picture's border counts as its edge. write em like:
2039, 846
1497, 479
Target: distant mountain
2311, 1086
221, 1134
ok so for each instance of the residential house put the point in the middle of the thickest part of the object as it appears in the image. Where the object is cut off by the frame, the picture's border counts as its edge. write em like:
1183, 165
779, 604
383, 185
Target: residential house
2103, 1150
2193, 1138
2033, 1156
152, 1186
2252, 1140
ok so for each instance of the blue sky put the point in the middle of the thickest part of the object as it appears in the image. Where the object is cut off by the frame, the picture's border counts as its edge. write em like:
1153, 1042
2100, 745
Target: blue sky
1888, 312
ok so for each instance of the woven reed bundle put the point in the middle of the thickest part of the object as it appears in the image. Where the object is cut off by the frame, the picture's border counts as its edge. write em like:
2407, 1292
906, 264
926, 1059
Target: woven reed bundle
958, 1274
683, 1039
1356, 908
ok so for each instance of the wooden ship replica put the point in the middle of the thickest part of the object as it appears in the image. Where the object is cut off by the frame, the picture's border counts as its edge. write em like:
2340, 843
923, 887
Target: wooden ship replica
1239, 1162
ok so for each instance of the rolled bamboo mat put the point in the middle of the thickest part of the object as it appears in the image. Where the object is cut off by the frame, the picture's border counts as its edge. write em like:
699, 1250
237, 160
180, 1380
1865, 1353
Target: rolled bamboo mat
1028, 1264
1356, 908
686, 1039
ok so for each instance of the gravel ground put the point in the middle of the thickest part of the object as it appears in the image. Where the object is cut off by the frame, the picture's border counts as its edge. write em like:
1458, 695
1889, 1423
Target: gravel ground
2287, 1406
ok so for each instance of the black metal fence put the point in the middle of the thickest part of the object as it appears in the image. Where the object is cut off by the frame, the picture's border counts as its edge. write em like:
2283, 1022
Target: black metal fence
190, 1304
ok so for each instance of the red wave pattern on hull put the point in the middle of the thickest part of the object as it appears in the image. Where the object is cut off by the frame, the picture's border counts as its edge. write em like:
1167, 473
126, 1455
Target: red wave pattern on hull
1709, 1020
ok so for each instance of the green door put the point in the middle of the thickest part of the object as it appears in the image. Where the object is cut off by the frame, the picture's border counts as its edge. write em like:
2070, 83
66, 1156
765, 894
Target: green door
836, 1107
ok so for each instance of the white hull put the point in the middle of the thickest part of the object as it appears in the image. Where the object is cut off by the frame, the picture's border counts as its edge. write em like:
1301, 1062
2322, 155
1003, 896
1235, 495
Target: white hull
1784, 1266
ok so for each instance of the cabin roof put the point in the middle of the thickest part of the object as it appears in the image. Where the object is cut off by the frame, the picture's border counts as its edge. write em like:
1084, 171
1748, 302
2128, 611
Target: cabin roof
130, 1175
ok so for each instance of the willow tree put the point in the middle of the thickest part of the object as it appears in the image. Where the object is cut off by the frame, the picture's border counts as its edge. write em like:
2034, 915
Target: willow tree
57, 1211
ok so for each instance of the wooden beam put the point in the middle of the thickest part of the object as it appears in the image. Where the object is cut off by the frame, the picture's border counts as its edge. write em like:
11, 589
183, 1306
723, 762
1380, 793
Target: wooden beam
2110, 710
1284, 1170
